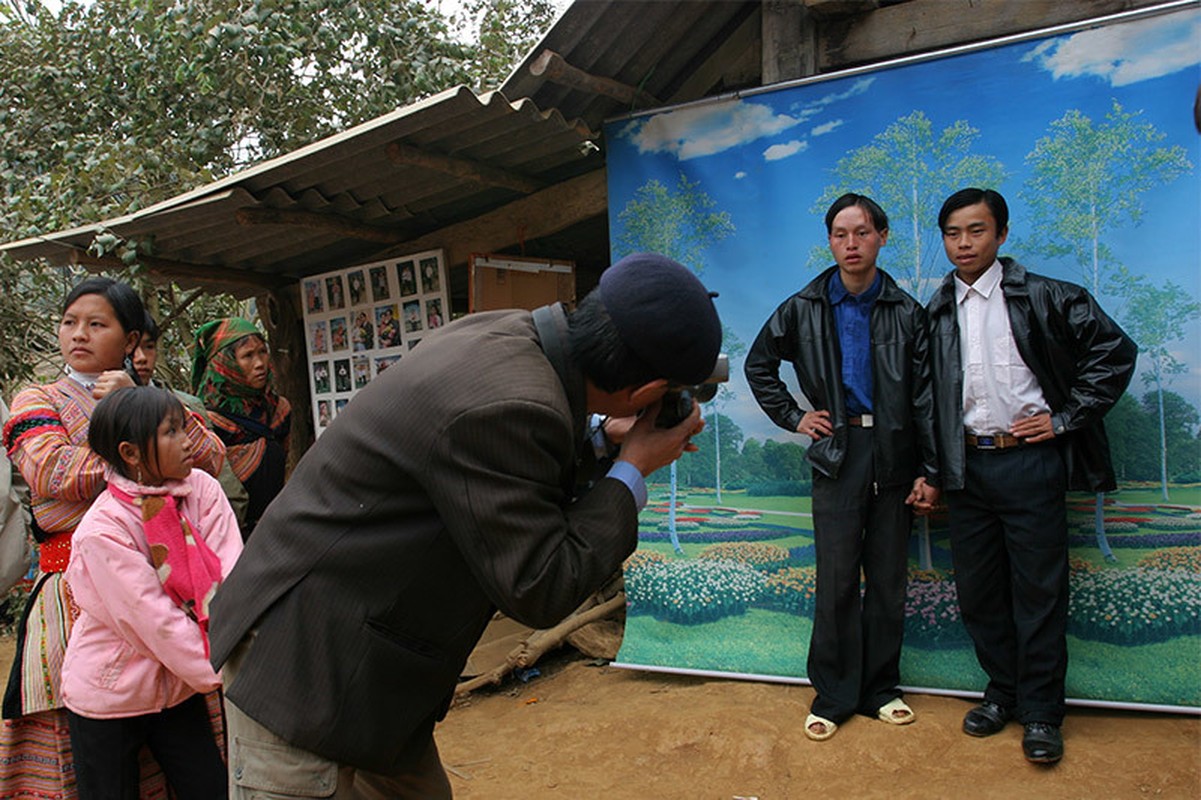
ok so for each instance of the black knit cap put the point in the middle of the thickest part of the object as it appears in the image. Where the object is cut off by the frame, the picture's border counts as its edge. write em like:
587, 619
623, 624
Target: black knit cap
664, 314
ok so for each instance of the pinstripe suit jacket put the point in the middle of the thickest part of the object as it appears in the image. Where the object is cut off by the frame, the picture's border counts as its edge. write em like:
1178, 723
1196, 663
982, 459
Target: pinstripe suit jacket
443, 492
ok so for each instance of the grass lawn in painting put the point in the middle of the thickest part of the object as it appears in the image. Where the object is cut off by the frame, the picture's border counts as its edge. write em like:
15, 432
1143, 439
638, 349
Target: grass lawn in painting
758, 642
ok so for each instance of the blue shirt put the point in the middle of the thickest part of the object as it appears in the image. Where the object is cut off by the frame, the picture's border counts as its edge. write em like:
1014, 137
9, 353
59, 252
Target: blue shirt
852, 318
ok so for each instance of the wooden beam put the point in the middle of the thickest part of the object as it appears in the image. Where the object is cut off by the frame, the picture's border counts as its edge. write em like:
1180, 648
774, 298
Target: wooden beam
312, 220
921, 25
406, 155
789, 41
554, 68
829, 9
541, 214
221, 279
723, 65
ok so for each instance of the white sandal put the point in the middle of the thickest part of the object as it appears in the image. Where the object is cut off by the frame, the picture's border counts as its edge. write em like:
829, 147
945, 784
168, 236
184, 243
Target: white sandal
818, 736
896, 712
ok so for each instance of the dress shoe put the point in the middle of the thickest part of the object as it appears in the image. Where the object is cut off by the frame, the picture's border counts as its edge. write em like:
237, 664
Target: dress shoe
986, 719
1042, 743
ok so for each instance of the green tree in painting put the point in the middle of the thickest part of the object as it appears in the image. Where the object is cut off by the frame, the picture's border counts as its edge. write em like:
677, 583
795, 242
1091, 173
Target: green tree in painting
1155, 317
1085, 180
680, 223
909, 168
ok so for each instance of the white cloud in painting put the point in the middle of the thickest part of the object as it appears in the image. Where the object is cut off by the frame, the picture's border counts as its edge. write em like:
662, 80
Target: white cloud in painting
739, 175
779, 151
705, 130
1126, 53
826, 127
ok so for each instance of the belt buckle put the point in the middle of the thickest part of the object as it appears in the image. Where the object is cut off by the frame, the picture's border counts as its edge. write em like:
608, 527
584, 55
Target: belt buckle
866, 421
986, 442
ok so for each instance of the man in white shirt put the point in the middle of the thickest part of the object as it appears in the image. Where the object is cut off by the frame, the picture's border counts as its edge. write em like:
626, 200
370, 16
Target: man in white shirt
1024, 368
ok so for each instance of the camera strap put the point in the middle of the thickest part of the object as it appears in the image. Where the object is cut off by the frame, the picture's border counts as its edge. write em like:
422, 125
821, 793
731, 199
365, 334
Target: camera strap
551, 324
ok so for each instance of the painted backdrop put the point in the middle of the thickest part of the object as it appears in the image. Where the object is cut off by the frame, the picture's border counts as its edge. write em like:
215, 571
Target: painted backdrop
1090, 136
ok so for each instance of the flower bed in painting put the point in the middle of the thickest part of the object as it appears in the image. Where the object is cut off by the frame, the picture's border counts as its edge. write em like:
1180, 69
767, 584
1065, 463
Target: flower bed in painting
763, 557
1183, 558
693, 591
1110, 527
1173, 524
932, 619
792, 590
1134, 606
1145, 541
695, 536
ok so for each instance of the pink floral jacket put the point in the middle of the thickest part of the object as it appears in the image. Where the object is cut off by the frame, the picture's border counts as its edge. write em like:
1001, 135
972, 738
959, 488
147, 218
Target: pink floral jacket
133, 651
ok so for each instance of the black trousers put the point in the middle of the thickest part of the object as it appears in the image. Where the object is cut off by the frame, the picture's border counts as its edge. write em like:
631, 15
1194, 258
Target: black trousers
1009, 545
180, 738
855, 649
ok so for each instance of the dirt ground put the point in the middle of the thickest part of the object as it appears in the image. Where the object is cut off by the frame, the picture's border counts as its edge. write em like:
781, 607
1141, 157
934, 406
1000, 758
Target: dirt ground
584, 729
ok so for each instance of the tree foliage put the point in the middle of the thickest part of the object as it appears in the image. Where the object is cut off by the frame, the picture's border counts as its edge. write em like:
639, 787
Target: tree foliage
109, 106
1088, 177
680, 223
909, 169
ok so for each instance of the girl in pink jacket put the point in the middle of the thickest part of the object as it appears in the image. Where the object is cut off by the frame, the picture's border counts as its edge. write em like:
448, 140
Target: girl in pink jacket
147, 558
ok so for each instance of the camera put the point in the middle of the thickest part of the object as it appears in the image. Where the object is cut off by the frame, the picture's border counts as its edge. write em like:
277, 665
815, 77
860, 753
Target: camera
677, 403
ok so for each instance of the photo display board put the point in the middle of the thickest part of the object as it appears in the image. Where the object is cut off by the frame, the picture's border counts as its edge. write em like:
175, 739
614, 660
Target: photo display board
1089, 133
361, 320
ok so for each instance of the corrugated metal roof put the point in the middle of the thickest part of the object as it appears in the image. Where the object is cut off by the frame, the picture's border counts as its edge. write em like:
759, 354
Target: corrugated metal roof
351, 175
655, 45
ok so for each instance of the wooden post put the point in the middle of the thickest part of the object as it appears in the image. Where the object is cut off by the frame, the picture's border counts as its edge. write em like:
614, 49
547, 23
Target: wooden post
789, 41
281, 315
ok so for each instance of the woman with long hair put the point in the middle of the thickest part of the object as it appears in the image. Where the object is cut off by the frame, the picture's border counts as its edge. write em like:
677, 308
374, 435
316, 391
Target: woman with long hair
231, 373
47, 439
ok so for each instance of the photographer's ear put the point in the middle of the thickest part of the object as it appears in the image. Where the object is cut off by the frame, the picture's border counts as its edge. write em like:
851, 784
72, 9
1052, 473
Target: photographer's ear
640, 397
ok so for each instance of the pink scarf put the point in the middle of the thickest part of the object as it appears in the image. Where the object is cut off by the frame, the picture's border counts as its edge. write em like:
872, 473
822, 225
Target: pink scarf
187, 567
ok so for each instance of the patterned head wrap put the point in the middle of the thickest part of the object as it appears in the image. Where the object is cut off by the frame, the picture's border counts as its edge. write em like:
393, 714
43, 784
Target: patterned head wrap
217, 379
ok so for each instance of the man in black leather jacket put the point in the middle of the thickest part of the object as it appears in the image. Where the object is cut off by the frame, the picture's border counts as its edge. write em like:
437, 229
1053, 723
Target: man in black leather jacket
859, 346
1025, 367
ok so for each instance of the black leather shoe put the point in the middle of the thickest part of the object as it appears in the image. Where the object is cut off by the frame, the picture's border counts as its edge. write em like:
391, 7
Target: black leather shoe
986, 719
1042, 743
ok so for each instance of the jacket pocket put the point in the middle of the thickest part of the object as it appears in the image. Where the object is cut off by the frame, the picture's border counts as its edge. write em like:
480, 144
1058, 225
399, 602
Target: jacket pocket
112, 669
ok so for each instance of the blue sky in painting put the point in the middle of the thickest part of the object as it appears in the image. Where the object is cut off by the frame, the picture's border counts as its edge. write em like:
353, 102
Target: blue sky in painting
765, 159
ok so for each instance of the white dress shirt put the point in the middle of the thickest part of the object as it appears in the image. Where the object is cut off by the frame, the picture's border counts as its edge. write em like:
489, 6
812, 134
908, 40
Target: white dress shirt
998, 387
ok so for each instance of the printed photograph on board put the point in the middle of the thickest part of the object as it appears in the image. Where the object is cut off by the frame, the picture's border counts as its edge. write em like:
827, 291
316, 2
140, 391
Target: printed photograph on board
342, 381
358, 287
431, 280
387, 326
362, 371
339, 338
379, 284
321, 377
383, 362
336, 292
408, 278
363, 336
412, 314
433, 313
313, 303
318, 338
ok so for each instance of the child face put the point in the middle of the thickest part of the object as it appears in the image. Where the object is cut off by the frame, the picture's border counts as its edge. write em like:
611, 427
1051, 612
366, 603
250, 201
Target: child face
145, 357
169, 457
